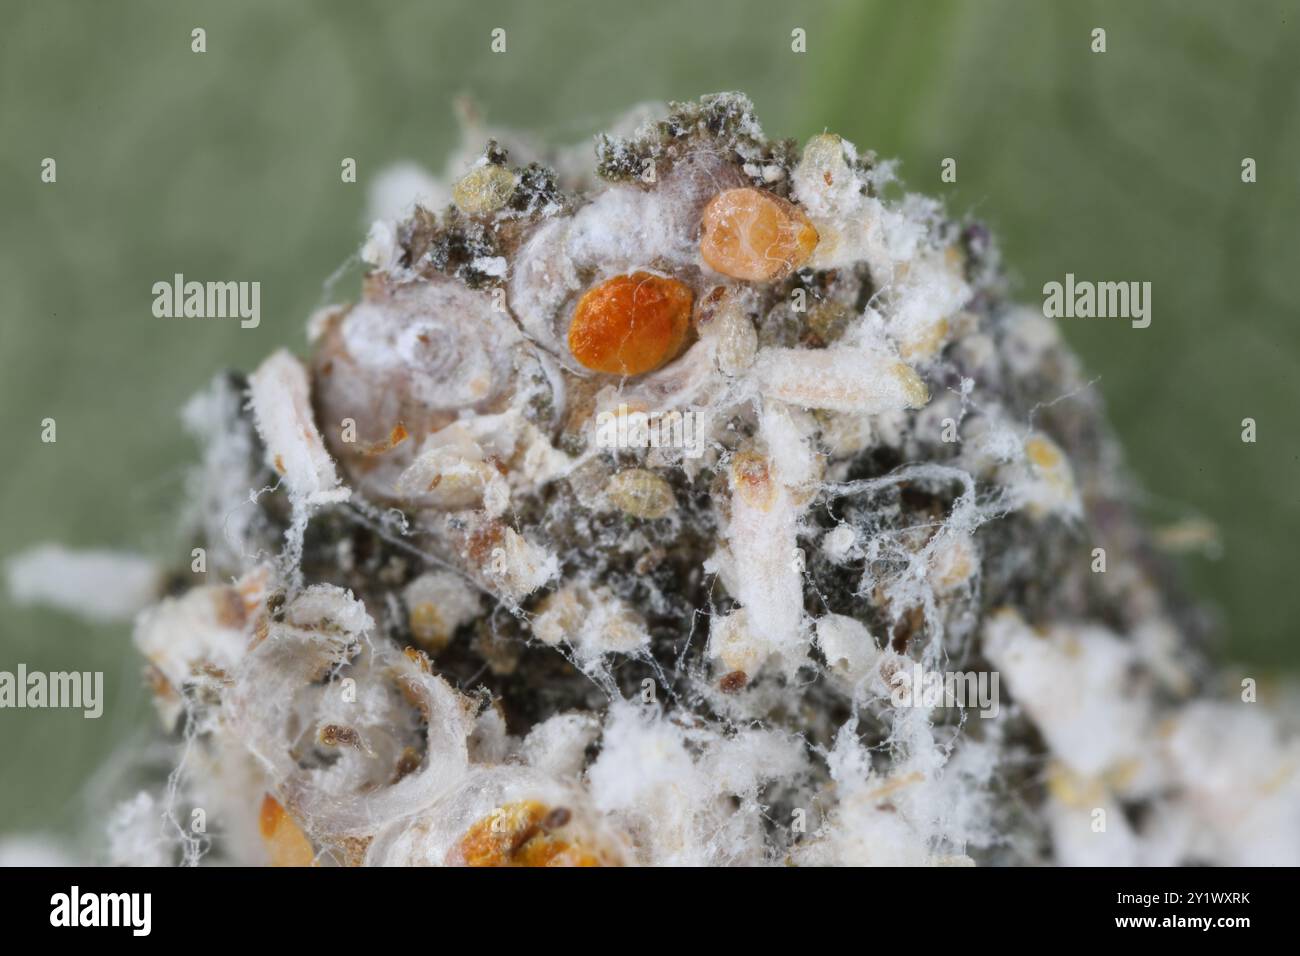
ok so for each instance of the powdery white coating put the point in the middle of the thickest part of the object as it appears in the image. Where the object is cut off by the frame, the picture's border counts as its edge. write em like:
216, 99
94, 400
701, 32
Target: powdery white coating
280, 397
95, 585
394, 372
544, 279
439, 602
328, 607
1041, 480
201, 631
222, 508
410, 334
847, 645
1030, 336
1073, 681
1076, 829
854, 226
133, 833
491, 265
557, 746
673, 788
922, 299
688, 384
952, 561
395, 192
1241, 772
450, 472
518, 567
590, 620
625, 225
381, 248
735, 645
1227, 784
788, 434
766, 570
896, 820
838, 543
848, 377
278, 691
990, 441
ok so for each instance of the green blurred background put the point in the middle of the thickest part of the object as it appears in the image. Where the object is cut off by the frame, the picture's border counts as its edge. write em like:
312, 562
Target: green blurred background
225, 165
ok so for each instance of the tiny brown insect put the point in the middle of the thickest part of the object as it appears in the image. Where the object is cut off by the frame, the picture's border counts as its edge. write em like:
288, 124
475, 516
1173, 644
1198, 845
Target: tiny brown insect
407, 764
337, 735
516, 834
557, 818
734, 682
751, 480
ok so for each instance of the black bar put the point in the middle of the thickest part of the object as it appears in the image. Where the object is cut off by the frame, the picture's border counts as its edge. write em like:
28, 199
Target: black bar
242, 907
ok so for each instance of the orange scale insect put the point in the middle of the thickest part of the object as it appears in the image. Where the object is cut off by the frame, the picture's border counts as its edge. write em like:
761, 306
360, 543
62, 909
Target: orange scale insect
753, 235
631, 324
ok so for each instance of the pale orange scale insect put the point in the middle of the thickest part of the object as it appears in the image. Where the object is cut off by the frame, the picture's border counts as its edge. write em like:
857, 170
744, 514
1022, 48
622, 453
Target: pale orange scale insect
521, 834
285, 842
630, 324
751, 234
